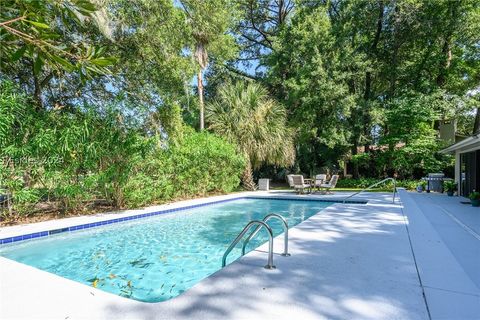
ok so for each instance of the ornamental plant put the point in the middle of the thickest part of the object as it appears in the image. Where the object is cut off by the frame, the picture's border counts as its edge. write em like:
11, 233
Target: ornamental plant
450, 185
474, 195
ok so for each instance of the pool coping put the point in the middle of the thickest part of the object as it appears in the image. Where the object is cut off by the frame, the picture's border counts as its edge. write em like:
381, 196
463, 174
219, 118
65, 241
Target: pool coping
128, 215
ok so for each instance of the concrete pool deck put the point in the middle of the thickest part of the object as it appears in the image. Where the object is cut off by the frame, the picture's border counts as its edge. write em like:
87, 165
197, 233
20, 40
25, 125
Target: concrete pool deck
351, 261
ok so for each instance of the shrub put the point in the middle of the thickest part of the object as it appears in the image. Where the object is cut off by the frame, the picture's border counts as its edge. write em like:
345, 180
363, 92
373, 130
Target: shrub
356, 183
366, 182
75, 158
204, 163
474, 195
200, 163
450, 185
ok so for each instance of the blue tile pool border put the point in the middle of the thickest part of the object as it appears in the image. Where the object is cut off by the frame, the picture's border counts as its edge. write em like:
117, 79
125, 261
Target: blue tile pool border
47, 233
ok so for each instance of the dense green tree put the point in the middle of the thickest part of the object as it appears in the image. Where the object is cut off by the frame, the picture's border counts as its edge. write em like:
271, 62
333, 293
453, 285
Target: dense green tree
151, 38
410, 135
305, 68
362, 54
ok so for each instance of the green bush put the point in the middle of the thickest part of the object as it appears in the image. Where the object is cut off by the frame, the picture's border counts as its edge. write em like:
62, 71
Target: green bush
366, 182
356, 183
407, 184
200, 163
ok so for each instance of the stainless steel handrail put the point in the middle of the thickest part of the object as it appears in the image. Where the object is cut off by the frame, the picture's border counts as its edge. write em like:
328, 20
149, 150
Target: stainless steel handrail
374, 185
240, 236
257, 229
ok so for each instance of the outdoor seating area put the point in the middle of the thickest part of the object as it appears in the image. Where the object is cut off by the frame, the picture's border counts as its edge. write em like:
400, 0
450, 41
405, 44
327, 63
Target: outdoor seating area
308, 185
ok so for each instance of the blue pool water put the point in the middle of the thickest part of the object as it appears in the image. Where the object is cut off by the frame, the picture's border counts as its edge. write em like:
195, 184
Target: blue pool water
156, 258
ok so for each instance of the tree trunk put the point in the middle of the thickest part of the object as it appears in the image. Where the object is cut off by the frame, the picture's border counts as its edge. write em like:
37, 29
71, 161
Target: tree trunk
200, 98
447, 54
37, 93
355, 171
476, 124
447, 44
395, 48
373, 49
247, 178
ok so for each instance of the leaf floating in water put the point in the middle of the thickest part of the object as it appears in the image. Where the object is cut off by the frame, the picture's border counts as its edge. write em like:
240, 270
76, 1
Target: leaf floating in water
94, 284
126, 293
134, 263
122, 277
140, 263
129, 283
112, 276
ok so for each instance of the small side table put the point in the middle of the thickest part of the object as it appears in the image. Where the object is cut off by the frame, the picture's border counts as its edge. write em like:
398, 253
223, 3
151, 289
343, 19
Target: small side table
263, 184
310, 182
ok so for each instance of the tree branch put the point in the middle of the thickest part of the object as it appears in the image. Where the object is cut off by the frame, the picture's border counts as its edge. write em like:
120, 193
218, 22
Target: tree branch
257, 41
11, 21
241, 73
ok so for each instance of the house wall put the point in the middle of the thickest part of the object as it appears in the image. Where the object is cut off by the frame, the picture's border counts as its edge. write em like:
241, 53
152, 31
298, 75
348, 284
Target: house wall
457, 171
468, 171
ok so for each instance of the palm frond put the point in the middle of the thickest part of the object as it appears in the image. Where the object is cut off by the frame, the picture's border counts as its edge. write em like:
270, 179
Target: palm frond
245, 115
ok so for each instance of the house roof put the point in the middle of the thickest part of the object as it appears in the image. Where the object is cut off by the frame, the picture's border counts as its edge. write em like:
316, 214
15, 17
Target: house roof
471, 143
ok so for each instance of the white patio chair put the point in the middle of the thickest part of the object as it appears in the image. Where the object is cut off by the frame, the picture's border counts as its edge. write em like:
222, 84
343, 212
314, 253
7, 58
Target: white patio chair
299, 184
331, 184
319, 180
290, 180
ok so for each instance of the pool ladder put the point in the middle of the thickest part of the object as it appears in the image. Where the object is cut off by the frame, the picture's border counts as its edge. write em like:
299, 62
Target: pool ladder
259, 225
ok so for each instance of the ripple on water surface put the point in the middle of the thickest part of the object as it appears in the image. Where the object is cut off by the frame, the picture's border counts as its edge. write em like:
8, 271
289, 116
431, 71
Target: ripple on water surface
156, 258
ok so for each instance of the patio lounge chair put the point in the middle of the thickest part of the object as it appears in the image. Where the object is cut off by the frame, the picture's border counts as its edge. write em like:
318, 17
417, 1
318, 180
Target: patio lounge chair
299, 184
330, 185
319, 180
290, 180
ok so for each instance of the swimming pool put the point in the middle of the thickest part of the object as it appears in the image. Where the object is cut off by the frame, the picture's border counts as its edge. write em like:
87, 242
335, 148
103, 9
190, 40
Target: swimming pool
156, 258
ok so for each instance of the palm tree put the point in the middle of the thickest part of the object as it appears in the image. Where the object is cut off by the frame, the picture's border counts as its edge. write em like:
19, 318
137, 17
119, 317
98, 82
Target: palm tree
245, 115
209, 22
